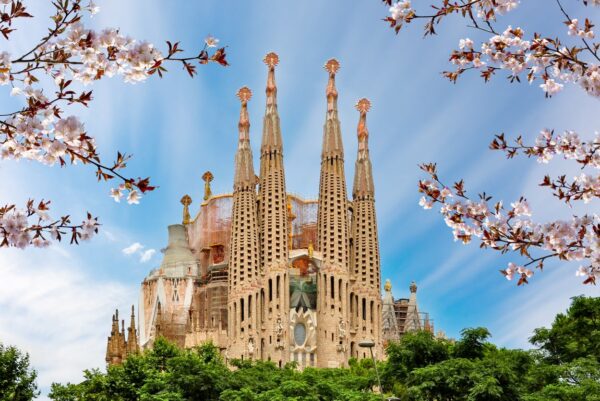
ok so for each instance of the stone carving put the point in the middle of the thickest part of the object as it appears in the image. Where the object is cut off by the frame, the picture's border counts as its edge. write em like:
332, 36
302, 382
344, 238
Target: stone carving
251, 347
279, 333
341, 336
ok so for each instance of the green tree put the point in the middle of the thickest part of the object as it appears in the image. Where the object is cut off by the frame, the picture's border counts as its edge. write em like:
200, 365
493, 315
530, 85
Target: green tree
573, 335
17, 378
414, 350
472, 343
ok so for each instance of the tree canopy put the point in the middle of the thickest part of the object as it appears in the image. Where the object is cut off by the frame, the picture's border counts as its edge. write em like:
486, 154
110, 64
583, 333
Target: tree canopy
564, 365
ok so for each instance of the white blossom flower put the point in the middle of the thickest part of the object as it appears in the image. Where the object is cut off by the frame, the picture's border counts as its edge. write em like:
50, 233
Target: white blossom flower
133, 197
211, 41
400, 10
116, 194
551, 87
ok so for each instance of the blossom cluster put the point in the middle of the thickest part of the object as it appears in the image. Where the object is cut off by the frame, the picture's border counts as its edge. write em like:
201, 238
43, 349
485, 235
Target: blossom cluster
549, 59
512, 229
570, 146
42, 130
401, 11
543, 58
33, 226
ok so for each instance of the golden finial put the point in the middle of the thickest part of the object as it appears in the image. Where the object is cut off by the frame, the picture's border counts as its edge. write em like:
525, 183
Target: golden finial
388, 285
413, 287
363, 105
244, 94
311, 249
207, 177
186, 201
332, 66
271, 59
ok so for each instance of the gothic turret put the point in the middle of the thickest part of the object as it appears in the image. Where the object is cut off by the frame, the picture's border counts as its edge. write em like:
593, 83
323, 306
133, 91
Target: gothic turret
244, 248
116, 348
332, 231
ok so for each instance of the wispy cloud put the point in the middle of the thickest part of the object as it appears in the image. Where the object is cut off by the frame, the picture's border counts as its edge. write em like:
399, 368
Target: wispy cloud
138, 249
133, 248
147, 255
56, 313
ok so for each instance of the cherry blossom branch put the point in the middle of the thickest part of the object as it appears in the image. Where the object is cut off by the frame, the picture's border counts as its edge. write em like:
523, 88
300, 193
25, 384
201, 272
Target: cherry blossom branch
511, 229
38, 131
584, 187
34, 226
551, 60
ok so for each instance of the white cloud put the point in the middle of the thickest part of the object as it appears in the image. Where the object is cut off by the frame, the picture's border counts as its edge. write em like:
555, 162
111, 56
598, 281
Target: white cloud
56, 313
137, 248
133, 248
147, 255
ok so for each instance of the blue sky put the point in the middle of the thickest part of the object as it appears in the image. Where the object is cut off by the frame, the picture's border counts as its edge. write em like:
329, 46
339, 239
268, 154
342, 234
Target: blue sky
56, 303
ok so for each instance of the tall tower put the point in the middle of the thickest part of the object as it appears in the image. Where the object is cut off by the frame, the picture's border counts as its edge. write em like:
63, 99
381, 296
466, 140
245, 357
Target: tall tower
273, 220
332, 236
244, 250
365, 242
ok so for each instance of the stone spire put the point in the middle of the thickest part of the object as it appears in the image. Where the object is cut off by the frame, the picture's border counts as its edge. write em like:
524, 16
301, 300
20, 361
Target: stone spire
244, 178
332, 226
413, 321
116, 346
332, 137
272, 192
132, 340
363, 176
332, 230
243, 246
364, 221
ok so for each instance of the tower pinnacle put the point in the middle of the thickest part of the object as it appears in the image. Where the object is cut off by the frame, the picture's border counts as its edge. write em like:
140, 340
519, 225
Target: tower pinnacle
332, 66
186, 201
271, 60
244, 169
363, 177
207, 177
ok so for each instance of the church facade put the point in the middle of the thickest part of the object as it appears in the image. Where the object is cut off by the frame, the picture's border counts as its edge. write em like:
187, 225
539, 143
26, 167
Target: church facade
265, 274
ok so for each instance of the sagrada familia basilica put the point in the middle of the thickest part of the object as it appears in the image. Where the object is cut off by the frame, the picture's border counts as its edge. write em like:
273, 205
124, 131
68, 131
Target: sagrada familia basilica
265, 274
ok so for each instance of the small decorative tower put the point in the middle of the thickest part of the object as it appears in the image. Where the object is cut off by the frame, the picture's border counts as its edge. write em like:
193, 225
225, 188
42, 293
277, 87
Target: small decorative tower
244, 250
332, 235
365, 242
132, 340
116, 348
413, 321
186, 201
207, 177
273, 217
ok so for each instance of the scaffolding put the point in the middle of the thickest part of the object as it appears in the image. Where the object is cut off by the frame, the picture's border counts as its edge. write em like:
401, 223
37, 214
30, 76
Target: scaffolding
304, 223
